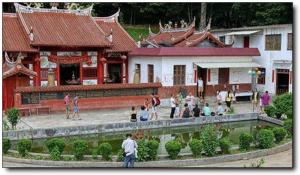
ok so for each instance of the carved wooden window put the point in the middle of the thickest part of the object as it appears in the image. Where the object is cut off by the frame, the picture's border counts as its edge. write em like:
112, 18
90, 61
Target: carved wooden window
273, 42
179, 75
150, 73
290, 41
44, 74
90, 72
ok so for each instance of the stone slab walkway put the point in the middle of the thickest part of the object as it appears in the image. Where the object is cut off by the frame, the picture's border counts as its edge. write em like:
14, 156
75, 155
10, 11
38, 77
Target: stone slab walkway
103, 116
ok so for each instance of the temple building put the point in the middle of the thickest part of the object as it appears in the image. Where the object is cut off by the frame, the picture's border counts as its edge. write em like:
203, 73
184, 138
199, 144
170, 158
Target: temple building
178, 55
51, 52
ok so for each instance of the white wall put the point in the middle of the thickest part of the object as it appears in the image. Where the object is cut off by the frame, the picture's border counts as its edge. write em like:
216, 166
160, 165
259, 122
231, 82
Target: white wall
239, 76
267, 58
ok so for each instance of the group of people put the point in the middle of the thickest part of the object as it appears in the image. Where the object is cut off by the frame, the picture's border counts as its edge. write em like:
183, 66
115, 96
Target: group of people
68, 107
263, 100
148, 111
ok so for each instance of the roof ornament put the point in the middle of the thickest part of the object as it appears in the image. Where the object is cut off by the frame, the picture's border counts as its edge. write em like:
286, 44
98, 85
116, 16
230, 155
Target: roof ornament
150, 32
110, 36
160, 26
54, 5
183, 24
31, 36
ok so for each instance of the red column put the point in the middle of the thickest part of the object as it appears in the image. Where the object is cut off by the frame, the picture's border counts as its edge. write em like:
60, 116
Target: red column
127, 77
273, 76
81, 73
99, 69
17, 100
37, 69
195, 73
208, 75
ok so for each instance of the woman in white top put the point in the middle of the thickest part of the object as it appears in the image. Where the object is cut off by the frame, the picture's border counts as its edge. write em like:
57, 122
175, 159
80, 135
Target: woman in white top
173, 106
190, 100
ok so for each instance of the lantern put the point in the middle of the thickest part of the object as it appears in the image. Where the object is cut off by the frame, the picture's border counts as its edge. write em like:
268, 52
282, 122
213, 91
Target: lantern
258, 72
250, 72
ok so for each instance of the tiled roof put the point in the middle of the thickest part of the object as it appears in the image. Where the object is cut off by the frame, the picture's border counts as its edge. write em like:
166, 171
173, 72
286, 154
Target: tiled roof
15, 69
63, 29
89, 87
14, 37
121, 41
194, 51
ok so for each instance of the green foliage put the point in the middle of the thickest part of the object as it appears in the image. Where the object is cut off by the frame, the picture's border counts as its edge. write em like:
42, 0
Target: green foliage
120, 156
284, 104
80, 147
5, 125
173, 148
265, 138
95, 154
225, 145
55, 143
288, 125
13, 116
245, 141
196, 147
143, 150
270, 111
209, 140
152, 149
24, 146
55, 154
5, 145
68, 158
105, 149
279, 134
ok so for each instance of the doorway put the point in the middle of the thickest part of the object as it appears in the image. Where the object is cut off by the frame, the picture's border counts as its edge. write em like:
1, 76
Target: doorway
69, 74
202, 72
282, 83
114, 72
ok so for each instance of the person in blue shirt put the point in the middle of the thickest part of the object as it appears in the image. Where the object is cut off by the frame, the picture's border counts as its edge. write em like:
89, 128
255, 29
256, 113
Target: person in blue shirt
206, 110
143, 114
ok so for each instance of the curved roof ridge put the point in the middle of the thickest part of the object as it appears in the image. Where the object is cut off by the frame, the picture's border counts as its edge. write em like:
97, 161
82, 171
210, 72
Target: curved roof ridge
111, 18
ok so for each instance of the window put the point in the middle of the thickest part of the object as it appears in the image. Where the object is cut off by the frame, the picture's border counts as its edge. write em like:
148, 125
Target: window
90, 72
261, 78
44, 74
137, 74
150, 73
179, 75
222, 39
290, 41
273, 42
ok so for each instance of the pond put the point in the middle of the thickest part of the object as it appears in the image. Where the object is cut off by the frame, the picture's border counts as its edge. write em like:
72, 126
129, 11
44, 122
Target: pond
231, 130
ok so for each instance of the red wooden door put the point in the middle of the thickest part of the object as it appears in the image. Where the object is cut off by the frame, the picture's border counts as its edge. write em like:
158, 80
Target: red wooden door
246, 41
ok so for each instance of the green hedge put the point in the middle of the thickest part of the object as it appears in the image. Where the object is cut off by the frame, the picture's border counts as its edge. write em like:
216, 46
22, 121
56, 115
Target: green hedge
270, 111
55, 154
265, 138
24, 146
288, 125
209, 140
152, 149
105, 150
80, 147
225, 145
6, 144
284, 104
196, 147
173, 148
55, 142
245, 141
279, 134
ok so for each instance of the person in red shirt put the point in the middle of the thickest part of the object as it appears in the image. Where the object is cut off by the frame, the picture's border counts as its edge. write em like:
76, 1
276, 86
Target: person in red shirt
67, 103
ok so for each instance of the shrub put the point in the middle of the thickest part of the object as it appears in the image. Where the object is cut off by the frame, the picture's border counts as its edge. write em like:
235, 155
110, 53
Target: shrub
288, 125
265, 138
279, 134
152, 149
270, 111
225, 145
95, 154
55, 143
289, 113
6, 145
245, 141
209, 140
105, 149
173, 148
284, 103
120, 156
13, 117
5, 125
142, 150
196, 147
55, 154
24, 147
80, 147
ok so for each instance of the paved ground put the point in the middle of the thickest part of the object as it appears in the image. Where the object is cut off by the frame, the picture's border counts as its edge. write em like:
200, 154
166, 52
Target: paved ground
103, 116
283, 159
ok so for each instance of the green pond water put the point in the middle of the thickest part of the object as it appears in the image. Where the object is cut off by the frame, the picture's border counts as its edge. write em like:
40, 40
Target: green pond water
184, 134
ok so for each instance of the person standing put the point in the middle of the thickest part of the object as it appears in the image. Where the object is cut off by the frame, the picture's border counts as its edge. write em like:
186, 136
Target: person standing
67, 103
255, 98
129, 145
75, 108
190, 100
200, 87
155, 103
219, 97
173, 106
147, 104
265, 100
228, 100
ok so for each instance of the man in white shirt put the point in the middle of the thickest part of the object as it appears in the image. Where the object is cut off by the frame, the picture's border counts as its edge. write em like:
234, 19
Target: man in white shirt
190, 100
200, 87
173, 106
129, 146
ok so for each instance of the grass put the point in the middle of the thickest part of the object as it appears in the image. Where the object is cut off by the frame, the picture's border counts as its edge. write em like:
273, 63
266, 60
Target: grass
136, 31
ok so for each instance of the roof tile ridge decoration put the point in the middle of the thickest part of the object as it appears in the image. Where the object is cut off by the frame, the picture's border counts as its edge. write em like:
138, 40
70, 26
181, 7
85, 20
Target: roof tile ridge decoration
17, 67
184, 36
192, 25
23, 9
9, 14
99, 28
112, 18
151, 34
207, 35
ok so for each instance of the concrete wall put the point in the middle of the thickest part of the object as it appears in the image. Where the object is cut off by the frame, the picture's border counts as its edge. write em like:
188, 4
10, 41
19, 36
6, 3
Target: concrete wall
267, 58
